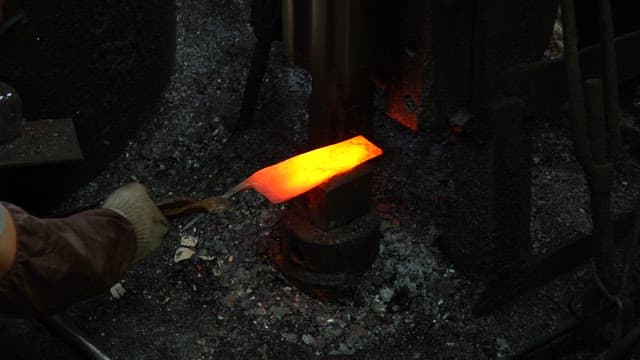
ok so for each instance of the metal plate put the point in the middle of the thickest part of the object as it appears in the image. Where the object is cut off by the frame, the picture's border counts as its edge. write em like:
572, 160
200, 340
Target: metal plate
42, 142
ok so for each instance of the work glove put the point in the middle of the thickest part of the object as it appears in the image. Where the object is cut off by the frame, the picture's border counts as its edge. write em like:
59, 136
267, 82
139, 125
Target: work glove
133, 202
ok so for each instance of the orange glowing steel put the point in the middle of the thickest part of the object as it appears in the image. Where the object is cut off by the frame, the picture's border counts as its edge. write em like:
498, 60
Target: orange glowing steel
299, 174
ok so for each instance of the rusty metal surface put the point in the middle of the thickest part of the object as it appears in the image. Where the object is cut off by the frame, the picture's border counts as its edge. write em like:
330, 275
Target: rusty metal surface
350, 248
321, 285
405, 49
42, 142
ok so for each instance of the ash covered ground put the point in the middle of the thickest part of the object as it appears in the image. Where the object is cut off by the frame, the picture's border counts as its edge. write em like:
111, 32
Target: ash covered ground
229, 302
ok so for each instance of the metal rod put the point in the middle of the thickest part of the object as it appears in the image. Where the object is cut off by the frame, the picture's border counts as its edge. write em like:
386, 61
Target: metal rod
610, 75
621, 347
266, 17
597, 141
576, 95
545, 343
57, 325
256, 72
244, 185
600, 171
542, 270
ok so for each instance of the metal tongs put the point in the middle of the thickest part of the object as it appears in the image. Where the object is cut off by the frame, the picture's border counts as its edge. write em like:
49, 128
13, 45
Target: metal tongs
180, 206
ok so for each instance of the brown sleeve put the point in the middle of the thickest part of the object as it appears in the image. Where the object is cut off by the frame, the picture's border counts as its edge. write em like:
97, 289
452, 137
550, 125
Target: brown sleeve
62, 261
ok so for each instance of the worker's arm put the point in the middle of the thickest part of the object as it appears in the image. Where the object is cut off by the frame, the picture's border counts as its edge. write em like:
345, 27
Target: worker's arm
7, 240
62, 261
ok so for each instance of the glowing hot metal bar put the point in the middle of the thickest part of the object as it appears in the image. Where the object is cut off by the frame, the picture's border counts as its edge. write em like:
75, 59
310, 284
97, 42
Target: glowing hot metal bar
299, 174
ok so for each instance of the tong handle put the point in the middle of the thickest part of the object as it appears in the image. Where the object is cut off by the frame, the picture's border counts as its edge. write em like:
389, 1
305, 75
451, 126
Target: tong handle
180, 206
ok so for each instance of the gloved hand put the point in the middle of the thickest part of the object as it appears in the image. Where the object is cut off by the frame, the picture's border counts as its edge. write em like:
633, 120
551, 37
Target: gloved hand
133, 202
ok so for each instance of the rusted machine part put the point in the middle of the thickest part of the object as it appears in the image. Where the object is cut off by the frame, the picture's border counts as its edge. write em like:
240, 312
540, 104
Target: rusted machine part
350, 248
405, 70
325, 286
336, 202
329, 235
544, 82
596, 136
325, 264
521, 36
471, 49
334, 40
595, 146
539, 271
331, 39
60, 327
570, 336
